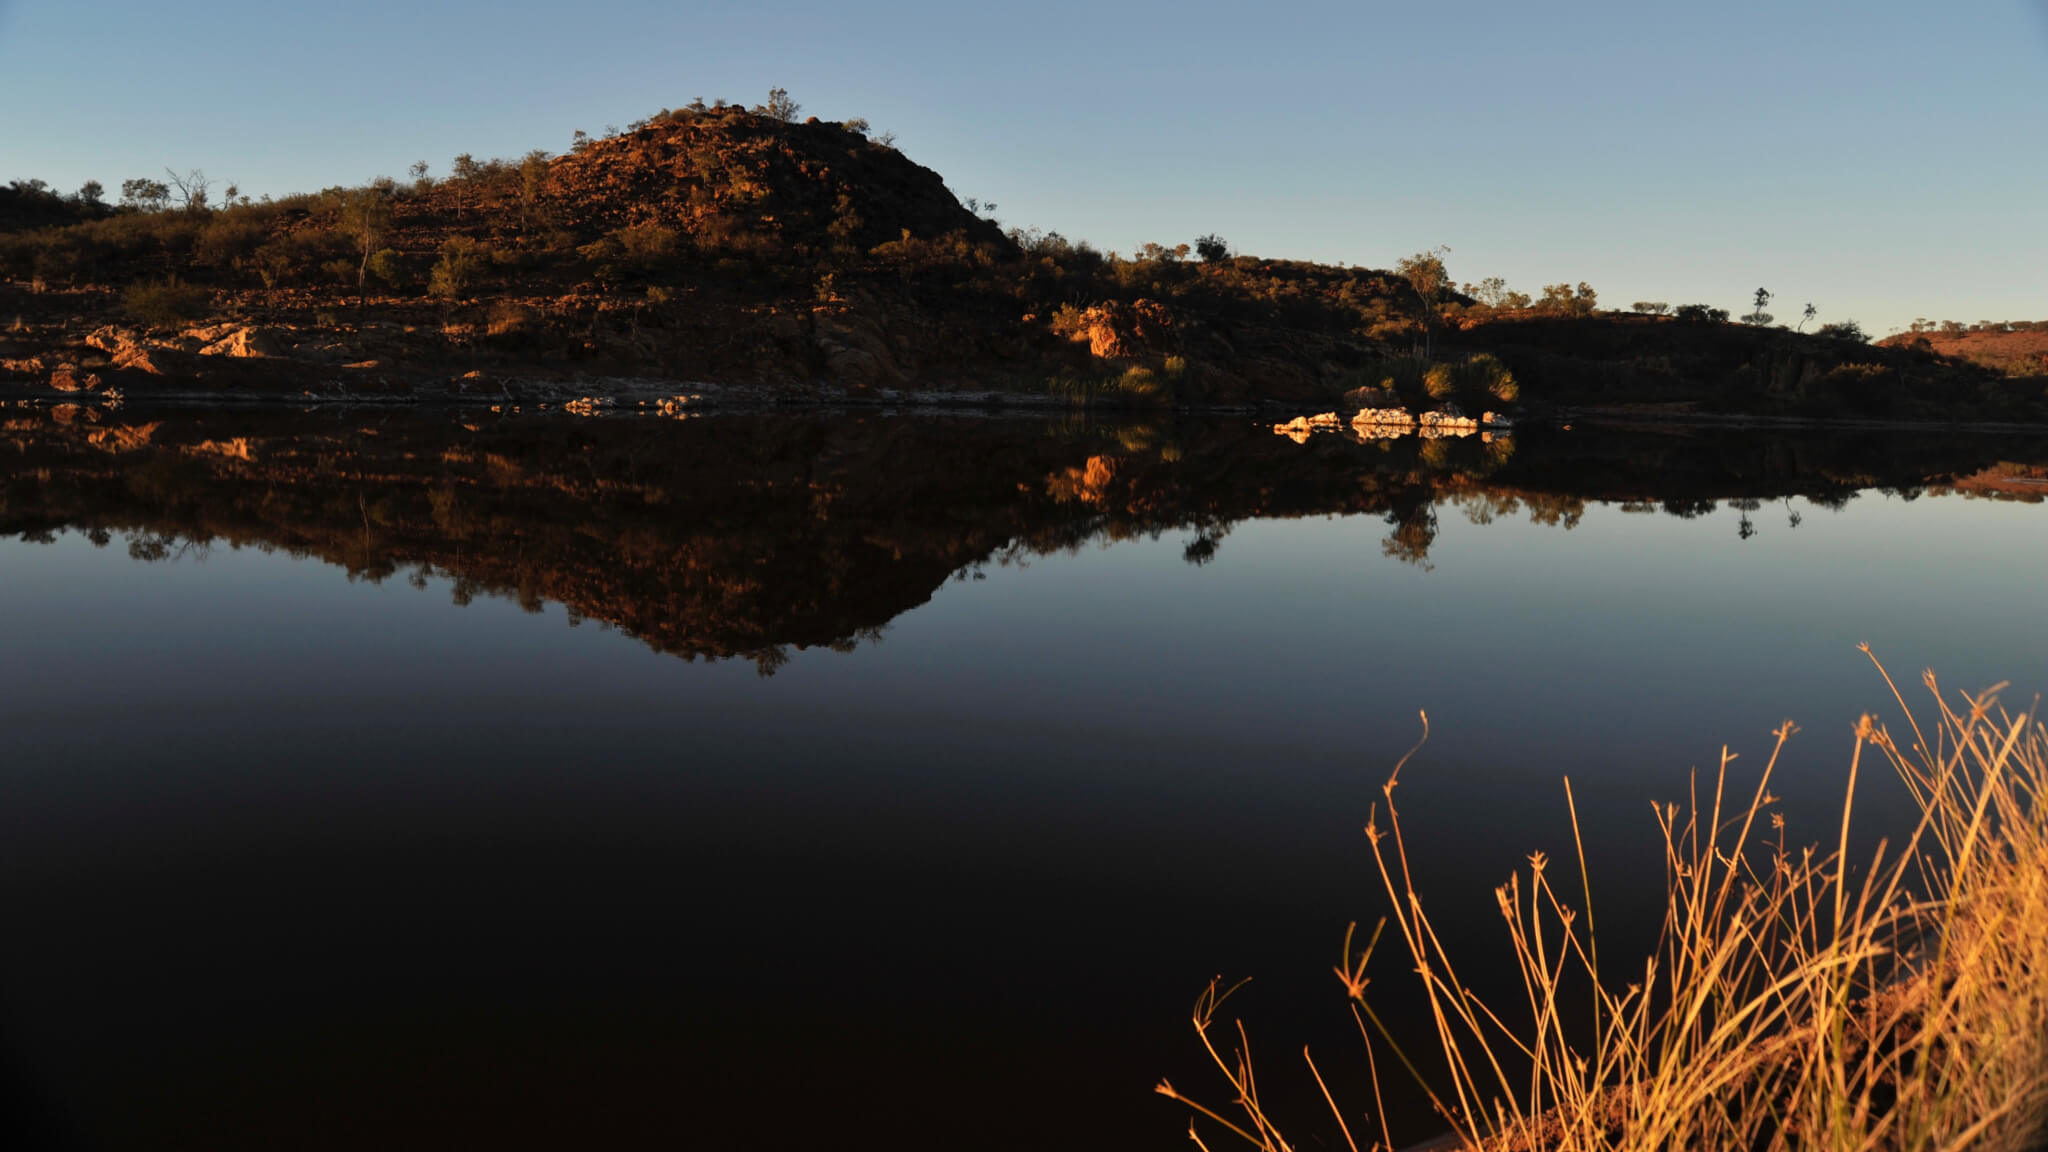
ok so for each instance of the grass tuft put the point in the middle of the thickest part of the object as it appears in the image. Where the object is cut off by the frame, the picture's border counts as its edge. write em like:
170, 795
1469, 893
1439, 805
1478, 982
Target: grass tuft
1794, 1003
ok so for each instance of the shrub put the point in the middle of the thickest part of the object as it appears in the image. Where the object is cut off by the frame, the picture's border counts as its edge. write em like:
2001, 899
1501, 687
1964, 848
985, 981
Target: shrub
462, 261
227, 241
1843, 330
1486, 374
1701, 314
387, 267
165, 303
1565, 300
1403, 375
1440, 381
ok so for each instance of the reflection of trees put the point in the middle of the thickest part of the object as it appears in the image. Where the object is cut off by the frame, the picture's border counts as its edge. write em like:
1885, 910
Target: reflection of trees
760, 535
1414, 524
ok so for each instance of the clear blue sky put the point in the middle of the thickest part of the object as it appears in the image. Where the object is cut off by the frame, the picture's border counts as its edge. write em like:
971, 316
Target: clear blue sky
1883, 159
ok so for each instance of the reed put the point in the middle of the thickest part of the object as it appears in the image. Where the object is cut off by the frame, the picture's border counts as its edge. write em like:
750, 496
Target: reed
1793, 1002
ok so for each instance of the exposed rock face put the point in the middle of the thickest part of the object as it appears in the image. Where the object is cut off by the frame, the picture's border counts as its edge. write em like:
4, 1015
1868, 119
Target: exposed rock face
855, 349
1118, 331
1391, 417
112, 340
241, 342
1301, 428
1448, 419
68, 378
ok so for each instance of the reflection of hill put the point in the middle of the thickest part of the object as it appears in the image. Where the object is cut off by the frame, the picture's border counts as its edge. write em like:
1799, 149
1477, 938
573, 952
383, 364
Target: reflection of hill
739, 534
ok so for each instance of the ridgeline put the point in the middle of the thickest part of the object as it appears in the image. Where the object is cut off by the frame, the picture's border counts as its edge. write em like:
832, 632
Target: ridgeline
739, 254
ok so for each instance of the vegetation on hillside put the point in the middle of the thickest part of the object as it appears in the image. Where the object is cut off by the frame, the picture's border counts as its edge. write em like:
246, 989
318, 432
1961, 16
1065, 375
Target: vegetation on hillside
743, 245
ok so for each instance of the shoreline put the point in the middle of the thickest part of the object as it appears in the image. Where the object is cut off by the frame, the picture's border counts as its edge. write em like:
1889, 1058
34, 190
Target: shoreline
674, 398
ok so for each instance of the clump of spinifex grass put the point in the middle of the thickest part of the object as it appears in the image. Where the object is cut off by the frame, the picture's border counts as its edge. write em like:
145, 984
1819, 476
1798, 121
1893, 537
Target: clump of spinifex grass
1792, 1003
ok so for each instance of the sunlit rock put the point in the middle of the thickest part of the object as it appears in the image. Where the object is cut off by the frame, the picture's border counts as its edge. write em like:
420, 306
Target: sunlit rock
1383, 418
244, 342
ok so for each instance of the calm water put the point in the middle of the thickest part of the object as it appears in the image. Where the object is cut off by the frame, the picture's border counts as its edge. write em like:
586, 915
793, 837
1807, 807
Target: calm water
780, 782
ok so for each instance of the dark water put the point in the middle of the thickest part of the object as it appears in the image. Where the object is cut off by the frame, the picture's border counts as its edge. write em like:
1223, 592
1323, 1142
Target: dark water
827, 781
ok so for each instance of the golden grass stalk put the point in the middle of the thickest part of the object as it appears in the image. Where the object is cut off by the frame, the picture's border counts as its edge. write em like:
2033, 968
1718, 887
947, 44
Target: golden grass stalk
1793, 1002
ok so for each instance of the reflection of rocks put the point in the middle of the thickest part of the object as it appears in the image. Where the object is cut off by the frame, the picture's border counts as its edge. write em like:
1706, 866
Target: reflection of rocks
747, 535
1301, 427
1449, 420
68, 378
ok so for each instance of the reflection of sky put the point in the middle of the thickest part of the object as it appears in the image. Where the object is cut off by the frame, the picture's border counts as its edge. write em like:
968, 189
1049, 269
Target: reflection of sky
1114, 746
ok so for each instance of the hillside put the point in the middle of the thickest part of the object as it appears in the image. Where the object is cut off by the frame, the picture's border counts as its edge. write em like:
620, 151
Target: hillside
736, 253
2013, 349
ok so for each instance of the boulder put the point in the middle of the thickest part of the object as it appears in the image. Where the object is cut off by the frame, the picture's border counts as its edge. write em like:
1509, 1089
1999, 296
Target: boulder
68, 378
1383, 418
1119, 331
114, 340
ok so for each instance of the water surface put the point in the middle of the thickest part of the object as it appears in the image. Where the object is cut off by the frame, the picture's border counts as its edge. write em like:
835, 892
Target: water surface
786, 781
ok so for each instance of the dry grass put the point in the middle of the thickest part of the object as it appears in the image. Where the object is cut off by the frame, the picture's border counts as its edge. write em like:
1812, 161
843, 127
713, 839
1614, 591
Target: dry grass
1793, 1003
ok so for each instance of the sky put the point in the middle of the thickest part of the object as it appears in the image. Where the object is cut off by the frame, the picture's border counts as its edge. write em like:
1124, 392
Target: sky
1882, 160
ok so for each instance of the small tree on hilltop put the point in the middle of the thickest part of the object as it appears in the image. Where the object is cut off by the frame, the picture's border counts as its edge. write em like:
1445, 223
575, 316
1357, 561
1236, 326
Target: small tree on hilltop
1758, 316
192, 187
1212, 248
1564, 300
145, 195
779, 106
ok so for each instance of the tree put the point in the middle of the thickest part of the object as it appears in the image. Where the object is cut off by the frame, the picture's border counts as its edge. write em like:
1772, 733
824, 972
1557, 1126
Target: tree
533, 177
1807, 317
1426, 277
779, 106
1212, 248
365, 214
1759, 317
91, 193
1651, 307
191, 187
462, 260
1843, 330
1563, 299
144, 195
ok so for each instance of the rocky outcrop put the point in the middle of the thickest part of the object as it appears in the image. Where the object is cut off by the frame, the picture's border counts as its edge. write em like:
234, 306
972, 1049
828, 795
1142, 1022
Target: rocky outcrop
854, 349
241, 342
1119, 331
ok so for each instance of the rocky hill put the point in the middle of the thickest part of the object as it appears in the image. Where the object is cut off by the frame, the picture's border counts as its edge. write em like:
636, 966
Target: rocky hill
728, 177
2012, 349
725, 252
